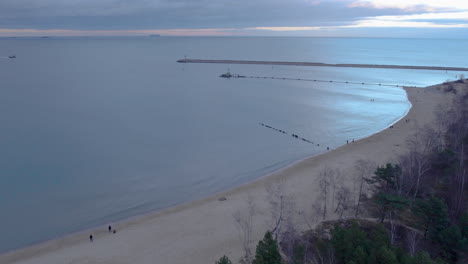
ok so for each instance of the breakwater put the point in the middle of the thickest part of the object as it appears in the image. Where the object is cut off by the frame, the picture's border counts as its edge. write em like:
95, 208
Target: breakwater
296, 136
305, 79
319, 64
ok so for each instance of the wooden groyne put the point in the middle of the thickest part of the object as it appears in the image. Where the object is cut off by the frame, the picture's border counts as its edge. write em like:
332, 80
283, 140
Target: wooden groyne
319, 64
286, 133
296, 136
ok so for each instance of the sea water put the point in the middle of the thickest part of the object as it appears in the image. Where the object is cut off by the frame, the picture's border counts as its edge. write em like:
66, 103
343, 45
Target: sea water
95, 130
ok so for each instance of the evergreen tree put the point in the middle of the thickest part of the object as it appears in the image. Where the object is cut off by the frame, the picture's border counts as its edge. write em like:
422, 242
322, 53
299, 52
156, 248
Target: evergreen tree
450, 240
350, 244
298, 254
385, 255
423, 257
385, 179
433, 215
223, 260
390, 203
267, 251
385, 184
463, 224
378, 237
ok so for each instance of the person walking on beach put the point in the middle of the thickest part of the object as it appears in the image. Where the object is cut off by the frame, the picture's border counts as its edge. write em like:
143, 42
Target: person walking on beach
109, 228
91, 238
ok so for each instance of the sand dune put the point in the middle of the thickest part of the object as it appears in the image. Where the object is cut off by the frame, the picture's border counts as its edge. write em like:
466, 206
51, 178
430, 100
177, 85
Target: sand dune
204, 230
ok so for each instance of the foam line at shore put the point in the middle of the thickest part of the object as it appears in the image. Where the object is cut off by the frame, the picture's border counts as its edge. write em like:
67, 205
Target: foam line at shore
319, 64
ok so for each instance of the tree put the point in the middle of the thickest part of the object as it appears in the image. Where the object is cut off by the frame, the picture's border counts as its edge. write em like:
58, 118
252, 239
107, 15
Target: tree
245, 225
385, 179
390, 203
463, 223
456, 138
363, 170
422, 257
343, 197
350, 244
385, 255
433, 215
450, 240
324, 184
276, 200
385, 184
418, 162
267, 251
412, 241
292, 244
223, 260
282, 207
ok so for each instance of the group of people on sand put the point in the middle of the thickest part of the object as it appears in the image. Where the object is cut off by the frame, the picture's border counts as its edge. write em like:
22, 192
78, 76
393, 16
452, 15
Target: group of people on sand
110, 230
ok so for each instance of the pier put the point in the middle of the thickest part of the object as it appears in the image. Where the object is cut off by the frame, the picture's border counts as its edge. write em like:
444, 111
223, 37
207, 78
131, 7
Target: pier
319, 64
305, 79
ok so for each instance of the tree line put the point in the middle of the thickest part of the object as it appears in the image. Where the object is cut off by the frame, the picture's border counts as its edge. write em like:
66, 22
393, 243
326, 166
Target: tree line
420, 207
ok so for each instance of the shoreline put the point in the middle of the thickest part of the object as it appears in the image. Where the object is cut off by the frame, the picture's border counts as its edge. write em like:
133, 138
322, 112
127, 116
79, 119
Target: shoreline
320, 64
175, 223
169, 208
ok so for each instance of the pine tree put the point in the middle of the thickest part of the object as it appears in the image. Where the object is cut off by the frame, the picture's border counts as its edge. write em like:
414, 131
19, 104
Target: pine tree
223, 260
350, 244
385, 184
450, 240
423, 257
267, 251
386, 256
385, 179
433, 214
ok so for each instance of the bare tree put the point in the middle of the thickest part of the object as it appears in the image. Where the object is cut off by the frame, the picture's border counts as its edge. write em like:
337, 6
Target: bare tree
459, 183
336, 181
276, 200
244, 223
394, 221
412, 241
313, 217
418, 163
324, 184
344, 203
290, 239
364, 169
457, 133
322, 254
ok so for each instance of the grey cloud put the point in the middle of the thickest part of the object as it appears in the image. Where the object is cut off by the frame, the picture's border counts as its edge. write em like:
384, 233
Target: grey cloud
166, 14
41, 8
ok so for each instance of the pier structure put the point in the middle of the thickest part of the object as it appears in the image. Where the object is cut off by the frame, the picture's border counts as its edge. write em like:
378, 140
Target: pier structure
319, 64
308, 80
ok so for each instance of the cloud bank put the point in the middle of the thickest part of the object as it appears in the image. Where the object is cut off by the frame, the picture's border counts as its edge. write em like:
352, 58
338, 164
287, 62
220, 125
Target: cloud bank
223, 17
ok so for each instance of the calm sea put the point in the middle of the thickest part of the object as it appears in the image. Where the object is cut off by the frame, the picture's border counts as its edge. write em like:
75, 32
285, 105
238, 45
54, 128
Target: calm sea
94, 130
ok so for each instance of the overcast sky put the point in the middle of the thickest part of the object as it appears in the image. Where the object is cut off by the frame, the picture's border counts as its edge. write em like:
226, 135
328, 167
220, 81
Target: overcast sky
360, 18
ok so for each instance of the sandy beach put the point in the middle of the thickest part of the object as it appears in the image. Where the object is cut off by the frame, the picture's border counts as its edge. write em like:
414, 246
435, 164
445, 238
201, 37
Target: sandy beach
202, 231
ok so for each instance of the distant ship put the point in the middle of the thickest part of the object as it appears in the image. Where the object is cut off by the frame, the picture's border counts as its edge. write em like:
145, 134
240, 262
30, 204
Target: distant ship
154, 36
12, 57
